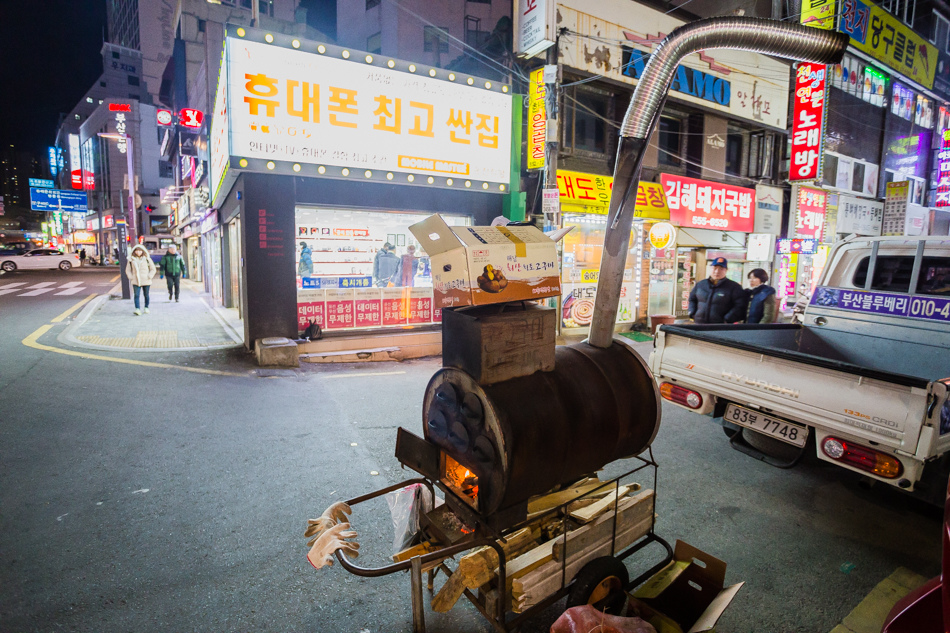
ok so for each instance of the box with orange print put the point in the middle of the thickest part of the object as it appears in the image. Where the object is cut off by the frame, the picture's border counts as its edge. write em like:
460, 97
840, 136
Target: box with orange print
481, 265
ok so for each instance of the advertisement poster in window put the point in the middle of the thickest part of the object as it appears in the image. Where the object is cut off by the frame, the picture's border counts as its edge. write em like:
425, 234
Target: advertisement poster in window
808, 122
340, 308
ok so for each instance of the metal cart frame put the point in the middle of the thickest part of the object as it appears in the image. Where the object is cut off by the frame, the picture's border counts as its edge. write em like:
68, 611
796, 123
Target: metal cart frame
484, 536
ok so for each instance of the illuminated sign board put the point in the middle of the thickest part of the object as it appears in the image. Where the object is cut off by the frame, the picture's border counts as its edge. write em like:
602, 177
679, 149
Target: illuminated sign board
352, 115
43, 199
808, 122
189, 117
592, 192
75, 162
42, 183
796, 246
943, 172
537, 123
810, 219
53, 161
120, 107
163, 117
702, 204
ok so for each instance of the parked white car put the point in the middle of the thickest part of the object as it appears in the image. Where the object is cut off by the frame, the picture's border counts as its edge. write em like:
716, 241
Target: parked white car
38, 258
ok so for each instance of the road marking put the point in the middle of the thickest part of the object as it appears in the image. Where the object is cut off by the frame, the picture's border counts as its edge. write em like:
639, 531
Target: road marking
41, 285
13, 284
365, 373
71, 284
35, 293
70, 291
115, 279
9, 290
33, 341
73, 308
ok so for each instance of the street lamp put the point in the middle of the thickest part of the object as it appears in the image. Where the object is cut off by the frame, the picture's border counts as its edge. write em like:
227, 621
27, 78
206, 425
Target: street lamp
130, 210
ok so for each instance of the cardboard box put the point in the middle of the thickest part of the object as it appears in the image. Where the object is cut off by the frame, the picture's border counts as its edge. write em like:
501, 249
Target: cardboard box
479, 265
686, 595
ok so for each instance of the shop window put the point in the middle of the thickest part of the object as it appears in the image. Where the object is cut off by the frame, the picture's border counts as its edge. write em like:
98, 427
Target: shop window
585, 120
734, 153
941, 29
670, 141
374, 43
829, 170
474, 35
435, 38
904, 10
761, 155
266, 7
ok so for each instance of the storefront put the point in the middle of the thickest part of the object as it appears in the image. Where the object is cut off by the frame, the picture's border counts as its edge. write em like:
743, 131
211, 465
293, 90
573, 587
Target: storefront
317, 189
584, 200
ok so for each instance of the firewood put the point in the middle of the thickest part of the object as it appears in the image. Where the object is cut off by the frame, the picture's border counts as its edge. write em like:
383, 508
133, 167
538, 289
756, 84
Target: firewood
478, 567
585, 515
630, 511
415, 550
551, 500
540, 583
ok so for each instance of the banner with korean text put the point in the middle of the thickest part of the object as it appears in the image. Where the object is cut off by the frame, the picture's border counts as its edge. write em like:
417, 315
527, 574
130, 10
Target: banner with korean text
592, 192
347, 109
537, 121
808, 122
810, 215
702, 204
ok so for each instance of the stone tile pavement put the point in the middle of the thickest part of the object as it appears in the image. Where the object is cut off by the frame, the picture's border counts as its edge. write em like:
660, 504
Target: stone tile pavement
108, 323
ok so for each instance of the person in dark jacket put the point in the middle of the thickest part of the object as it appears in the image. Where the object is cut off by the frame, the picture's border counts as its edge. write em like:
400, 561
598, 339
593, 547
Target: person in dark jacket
386, 266
172, 267
763, 303
717, 299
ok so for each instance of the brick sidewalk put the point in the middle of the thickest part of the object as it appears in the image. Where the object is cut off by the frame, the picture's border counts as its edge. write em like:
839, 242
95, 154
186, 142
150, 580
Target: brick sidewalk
108, 323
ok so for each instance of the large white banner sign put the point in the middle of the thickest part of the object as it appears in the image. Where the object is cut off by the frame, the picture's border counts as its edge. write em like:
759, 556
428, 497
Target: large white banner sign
289, 105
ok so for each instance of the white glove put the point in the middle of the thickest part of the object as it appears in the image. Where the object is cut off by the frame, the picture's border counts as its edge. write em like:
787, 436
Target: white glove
330, 517
321, 554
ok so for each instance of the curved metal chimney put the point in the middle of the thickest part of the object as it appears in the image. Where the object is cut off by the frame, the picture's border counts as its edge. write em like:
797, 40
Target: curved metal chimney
758, 35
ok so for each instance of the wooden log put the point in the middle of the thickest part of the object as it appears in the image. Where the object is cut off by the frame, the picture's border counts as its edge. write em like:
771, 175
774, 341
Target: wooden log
478, 567
415, 550
546, 502
540, 583
587, 514
630, 511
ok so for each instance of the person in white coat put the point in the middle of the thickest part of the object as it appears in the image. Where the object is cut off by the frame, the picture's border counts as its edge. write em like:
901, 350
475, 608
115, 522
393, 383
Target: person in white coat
140, 270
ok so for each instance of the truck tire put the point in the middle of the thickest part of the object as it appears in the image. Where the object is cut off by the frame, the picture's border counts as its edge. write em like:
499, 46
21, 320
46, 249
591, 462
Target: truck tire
776, 449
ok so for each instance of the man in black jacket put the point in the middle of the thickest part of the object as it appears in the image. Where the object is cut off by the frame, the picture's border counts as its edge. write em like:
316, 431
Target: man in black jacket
717, 299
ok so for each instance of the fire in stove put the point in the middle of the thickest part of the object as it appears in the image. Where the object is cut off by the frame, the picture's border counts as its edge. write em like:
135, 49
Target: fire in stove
461, 480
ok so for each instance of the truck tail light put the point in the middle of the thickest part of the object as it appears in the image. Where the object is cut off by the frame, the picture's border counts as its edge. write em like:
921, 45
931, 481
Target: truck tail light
862, 457
681, 395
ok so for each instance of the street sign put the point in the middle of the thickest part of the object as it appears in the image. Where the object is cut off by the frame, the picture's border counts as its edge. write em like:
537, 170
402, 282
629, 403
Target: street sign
42, 199
42, 183
189, 144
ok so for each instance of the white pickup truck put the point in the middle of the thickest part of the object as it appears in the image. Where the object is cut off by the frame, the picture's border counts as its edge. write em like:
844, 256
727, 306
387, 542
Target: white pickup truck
864, 379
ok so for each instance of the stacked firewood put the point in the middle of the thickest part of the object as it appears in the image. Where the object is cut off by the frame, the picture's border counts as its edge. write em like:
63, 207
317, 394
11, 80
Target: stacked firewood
545, 555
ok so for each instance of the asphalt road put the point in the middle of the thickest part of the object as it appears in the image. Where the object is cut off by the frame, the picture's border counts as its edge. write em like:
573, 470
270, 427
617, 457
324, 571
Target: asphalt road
135, 498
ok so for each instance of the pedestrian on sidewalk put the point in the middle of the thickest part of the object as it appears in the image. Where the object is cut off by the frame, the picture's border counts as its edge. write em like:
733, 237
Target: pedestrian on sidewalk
172, 268
140, 270
82, 257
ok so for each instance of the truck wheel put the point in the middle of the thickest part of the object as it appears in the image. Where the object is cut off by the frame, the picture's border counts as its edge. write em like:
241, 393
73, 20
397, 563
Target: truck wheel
776, 449
601, 584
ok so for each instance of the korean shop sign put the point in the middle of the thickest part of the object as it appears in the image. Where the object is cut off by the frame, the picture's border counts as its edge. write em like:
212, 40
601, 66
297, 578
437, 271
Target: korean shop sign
883, 36
323, 109
808, 121
819, 14
810, 218
537, 122
739, 84
593, 193
702, 204
943, 172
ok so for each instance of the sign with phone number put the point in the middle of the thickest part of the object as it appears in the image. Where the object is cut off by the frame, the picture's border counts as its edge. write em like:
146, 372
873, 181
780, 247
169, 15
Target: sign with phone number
917, 307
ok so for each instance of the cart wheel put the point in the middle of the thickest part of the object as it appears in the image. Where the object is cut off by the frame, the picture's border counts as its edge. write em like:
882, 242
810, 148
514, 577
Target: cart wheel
601, 584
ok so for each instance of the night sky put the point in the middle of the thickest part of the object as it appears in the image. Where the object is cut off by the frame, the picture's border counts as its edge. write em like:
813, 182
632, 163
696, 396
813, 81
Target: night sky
49, 58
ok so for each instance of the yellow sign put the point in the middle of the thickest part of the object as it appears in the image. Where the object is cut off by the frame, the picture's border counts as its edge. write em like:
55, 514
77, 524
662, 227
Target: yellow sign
883, 36
593, 192
537, 124
819, 14
662, 235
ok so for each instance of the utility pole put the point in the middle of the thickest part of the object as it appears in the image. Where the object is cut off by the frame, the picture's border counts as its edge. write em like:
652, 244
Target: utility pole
121, 228
550, 203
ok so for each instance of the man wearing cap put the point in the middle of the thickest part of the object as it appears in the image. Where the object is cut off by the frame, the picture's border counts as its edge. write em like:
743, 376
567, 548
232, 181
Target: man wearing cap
717, 299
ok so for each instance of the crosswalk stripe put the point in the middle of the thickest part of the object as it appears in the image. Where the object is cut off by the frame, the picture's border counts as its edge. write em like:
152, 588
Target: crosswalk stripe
71, 284
13, 284
36, 292
70, 291
42, 285
9, 290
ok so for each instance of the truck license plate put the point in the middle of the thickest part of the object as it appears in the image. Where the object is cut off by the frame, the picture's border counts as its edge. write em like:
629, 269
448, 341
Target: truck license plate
779, 429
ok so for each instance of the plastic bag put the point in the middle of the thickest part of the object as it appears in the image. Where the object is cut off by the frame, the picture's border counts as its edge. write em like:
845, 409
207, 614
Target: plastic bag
406, 506
587, 619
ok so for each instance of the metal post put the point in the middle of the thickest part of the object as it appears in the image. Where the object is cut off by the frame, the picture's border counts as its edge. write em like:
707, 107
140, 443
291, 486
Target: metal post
418, 607
551, 134
131, 213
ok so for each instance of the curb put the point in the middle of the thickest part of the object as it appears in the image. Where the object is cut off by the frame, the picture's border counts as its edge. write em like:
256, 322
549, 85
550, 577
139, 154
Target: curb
68, 336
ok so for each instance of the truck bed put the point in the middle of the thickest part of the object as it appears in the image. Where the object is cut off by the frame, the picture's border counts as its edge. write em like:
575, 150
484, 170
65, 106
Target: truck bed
903, 363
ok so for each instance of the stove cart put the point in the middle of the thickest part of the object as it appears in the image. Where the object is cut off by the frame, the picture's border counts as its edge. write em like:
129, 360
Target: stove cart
512, 432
